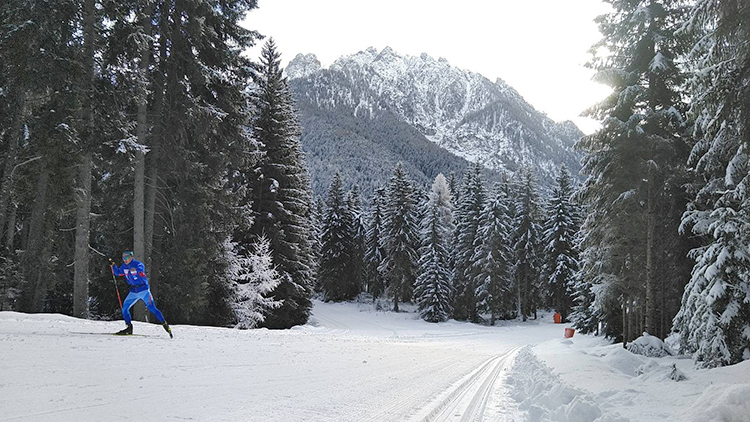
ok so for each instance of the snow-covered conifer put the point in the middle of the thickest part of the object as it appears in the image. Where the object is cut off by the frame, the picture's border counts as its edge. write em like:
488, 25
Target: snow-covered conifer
527, 248
560, 254
283, 198
493, 256
467, 226
631, 160
336, 272
252, 277
433, 288
374, 249
354, 208
714, 321
401, 239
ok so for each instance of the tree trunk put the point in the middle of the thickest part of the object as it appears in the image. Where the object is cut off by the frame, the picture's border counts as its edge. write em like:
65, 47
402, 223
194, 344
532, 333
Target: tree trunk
32, 263
16, 134
83, 190
649, 323
632, 319
139, 247
83, 223
41, 275
624, 307
152, 186
519, 306
649, 308
12, 227
395, 299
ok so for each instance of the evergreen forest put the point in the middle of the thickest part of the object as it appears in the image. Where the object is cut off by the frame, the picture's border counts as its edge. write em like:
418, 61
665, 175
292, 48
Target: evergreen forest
144, 126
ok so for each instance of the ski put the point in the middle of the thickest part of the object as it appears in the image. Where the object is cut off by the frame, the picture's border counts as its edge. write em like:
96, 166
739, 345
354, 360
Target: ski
114, 334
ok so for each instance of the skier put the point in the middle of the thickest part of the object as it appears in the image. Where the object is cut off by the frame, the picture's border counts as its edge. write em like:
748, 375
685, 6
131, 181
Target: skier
135, 274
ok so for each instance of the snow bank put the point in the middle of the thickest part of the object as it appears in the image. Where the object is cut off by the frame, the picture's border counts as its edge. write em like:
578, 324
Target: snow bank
648, 345
546, 398
641, 388
721, 404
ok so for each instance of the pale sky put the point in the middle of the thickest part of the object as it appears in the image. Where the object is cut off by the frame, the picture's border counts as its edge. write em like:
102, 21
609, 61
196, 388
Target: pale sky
538, 47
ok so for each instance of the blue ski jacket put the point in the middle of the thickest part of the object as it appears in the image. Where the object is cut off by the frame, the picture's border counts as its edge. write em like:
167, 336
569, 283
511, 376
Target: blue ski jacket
135, 274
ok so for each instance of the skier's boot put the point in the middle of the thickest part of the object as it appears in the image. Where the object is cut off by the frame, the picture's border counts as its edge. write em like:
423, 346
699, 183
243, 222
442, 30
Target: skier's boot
167, 329
125, 331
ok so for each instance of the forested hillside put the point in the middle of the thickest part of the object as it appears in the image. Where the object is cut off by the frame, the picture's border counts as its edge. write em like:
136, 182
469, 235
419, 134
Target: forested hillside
390, 108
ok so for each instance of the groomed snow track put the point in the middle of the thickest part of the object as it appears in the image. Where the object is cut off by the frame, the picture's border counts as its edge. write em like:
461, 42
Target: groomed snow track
466, 401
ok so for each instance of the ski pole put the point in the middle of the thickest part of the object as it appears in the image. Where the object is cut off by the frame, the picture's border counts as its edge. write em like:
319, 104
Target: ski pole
115, 282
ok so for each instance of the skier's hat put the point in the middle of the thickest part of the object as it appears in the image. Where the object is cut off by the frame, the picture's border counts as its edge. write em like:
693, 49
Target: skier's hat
127, 254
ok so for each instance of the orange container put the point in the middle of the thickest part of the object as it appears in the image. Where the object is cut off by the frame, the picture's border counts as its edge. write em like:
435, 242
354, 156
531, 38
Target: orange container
569, 332
558, 318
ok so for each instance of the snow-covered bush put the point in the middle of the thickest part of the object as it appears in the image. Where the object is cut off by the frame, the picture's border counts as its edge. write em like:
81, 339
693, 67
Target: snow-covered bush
648, 345
252, 276
652, 370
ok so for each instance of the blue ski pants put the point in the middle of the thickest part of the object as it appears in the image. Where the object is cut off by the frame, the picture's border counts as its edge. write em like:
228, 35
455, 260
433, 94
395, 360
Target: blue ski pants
147, 298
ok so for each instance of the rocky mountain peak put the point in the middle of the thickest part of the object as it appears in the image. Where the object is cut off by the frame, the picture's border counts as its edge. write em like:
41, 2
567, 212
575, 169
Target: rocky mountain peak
302, 65
458, 110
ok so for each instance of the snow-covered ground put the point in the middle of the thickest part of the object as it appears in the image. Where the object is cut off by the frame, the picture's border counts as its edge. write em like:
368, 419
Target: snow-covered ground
350, 363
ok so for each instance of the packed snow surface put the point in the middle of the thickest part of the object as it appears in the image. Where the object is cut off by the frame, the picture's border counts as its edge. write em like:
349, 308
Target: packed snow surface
350, 363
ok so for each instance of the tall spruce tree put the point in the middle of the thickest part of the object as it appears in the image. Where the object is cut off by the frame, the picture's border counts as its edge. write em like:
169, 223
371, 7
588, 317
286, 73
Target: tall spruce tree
337, 277
561, 230
282, 196
583, 312
628, 161
527, 247
714, 321
433, 287
493, 256
354, 208
400, 239
374, 247
201, 146
467, 227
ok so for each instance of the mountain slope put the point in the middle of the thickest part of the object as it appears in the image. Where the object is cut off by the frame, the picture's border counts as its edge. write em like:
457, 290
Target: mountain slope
375, 95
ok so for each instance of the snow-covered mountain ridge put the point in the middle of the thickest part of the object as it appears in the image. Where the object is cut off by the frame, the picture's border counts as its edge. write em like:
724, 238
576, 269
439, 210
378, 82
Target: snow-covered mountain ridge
460, 111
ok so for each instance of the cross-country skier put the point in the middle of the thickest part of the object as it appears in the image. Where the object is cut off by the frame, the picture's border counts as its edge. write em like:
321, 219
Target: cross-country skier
135, 274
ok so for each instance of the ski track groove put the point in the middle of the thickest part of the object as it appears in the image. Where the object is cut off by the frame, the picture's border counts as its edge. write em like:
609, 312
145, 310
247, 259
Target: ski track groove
411, 401
487, 373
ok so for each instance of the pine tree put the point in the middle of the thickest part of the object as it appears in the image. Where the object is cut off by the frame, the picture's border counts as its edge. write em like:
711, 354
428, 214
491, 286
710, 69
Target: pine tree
316, 243
433, 288
374, 249
527, 248
560, 251
628, 161
467, 228
337, 273
283, 197
714, 320
400, 239
493, 257
583, 312
354, 208
252, 277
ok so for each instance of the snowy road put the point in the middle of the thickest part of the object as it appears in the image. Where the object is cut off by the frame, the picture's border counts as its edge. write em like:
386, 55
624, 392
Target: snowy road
349, 364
